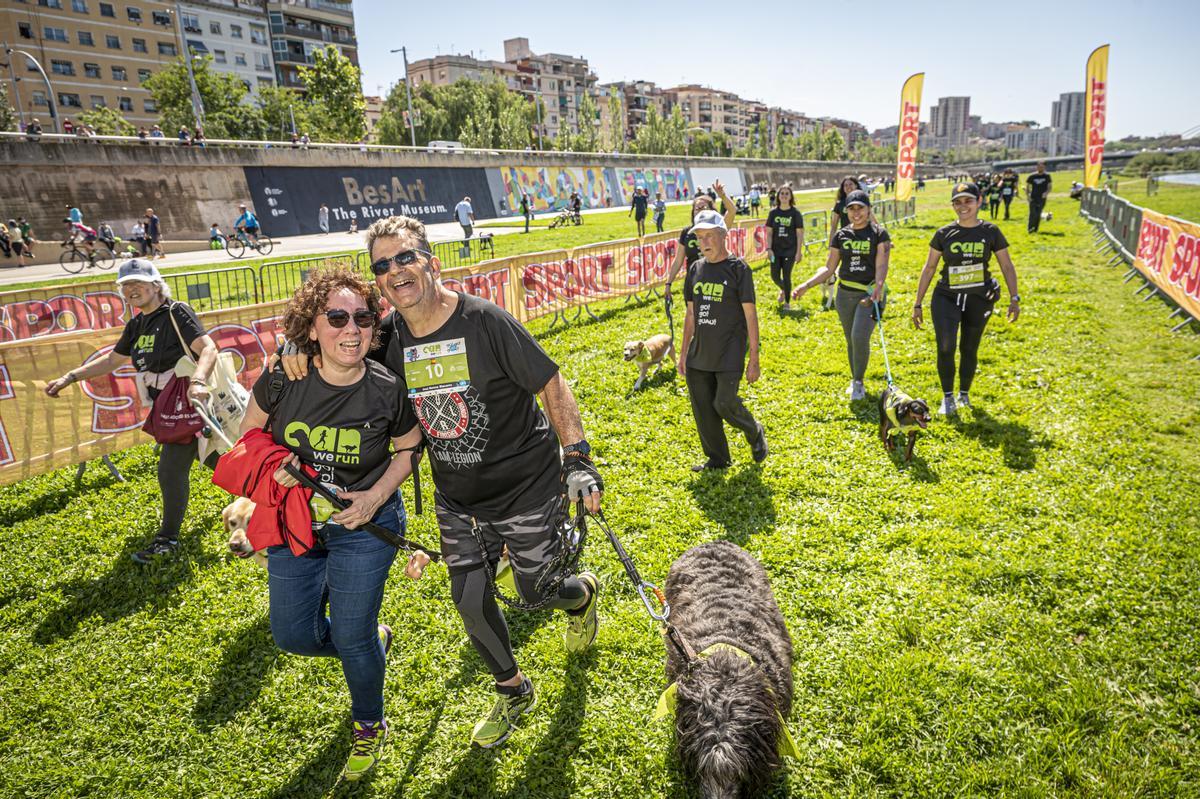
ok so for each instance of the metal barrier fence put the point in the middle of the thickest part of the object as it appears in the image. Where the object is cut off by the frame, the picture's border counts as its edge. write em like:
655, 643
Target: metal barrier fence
214, 289
463, 252
279, 279
816, 229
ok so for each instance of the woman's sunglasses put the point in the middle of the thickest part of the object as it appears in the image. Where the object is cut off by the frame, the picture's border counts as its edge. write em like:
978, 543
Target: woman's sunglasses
363, 318
405, 258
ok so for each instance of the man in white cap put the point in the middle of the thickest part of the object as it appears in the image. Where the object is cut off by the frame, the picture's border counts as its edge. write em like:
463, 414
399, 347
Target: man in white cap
719, 331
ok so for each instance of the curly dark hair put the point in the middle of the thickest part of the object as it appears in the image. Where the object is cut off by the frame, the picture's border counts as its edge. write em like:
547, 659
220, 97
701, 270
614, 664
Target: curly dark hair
313, 297
702, 202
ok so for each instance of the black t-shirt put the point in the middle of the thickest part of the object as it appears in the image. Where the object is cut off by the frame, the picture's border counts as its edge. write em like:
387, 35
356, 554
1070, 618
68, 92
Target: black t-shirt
344, 432
639, 204
472, 385
839, 212
524, 205
716, 293
1008, 185
966, 252
691, 246
784, 226
1039, 185
858, 249
150, 339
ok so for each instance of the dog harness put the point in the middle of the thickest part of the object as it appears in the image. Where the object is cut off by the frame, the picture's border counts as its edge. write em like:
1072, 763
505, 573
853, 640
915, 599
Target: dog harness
895, 400
669, 698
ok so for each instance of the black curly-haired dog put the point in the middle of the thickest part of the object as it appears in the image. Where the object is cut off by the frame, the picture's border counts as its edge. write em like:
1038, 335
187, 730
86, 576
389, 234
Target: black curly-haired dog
728, 708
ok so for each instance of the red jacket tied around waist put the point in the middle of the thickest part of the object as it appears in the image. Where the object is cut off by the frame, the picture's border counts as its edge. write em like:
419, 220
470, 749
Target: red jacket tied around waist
281, 515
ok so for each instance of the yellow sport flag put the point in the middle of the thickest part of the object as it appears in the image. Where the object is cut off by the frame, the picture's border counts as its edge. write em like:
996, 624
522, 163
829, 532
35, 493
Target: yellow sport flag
1097, 104
906, 143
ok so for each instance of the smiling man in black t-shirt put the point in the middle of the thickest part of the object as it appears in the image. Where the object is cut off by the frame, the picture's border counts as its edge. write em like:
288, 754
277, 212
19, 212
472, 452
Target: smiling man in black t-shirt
719, 331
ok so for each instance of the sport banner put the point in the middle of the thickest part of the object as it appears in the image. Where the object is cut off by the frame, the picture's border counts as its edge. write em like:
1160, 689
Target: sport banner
910, 128
1097, 104
1168, 254
102, 415
29, 313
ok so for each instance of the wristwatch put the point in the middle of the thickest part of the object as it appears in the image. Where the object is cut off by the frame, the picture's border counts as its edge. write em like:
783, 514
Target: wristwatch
578, 448
1015, 298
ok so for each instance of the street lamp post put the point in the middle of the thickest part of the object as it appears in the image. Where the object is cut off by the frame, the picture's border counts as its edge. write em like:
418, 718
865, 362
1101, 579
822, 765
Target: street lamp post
412, 121
197, 102
49, 90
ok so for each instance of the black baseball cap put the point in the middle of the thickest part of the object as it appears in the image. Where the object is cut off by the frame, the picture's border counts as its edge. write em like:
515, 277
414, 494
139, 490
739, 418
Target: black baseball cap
857, 197
965, 190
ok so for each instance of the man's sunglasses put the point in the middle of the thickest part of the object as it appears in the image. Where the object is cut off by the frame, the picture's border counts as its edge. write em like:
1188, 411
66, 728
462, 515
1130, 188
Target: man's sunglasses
405, 258
338, 318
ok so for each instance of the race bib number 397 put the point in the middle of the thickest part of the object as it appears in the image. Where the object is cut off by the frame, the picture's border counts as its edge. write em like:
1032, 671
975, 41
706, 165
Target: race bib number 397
436, 368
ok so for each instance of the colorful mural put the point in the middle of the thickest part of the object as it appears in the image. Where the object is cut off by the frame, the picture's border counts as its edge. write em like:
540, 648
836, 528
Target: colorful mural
550, 187
671, 182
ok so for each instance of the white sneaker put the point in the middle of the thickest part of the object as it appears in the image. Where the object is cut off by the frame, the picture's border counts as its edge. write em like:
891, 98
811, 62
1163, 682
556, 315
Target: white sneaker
947, 407
964, 400
857, 392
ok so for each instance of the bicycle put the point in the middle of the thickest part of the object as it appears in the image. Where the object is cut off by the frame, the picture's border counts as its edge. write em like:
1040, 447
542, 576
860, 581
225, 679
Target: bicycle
75, 259
236, 244
566, 217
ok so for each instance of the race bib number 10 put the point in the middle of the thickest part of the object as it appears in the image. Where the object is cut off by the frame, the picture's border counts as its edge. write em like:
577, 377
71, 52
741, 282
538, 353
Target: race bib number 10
436, 368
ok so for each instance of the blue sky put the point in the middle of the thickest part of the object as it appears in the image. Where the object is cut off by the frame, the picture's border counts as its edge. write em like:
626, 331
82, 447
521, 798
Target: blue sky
1012, 57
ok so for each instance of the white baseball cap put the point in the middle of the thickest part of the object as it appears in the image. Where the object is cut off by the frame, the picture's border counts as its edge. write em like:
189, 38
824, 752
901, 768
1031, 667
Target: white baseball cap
709, 220
138, 269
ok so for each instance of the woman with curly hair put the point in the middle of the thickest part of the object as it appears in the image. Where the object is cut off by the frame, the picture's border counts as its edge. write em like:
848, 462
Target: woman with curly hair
343, 419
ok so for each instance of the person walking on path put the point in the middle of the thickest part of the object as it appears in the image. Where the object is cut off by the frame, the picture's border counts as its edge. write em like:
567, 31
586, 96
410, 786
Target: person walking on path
785, 243
638, 209
720, 339
660, 212
154, 233
966, 293
859, 255
525, 210
323, 218
1037, 189
154, 341
1008, 189
465, 215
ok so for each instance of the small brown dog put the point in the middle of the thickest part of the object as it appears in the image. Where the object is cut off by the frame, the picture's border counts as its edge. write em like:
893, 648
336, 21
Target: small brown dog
900, 414
236, 516
650, 352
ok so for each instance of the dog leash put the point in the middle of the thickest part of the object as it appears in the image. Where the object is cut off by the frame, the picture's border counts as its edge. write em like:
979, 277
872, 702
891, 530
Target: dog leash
883, 345
379, 531
667, 304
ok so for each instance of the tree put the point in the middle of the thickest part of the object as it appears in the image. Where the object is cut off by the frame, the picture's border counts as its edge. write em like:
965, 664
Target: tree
617, 122
8, 117
588, 138
226, 115
512, 127
107, 122
478, 114
786, 147
659, 136
479, 127
562, 142
833, 146
278, 106
333, 92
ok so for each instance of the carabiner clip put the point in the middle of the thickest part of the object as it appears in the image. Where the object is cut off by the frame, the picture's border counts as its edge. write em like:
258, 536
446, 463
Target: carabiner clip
664, 612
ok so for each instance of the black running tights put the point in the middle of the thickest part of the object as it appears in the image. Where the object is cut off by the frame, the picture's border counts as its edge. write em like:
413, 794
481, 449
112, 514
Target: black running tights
951, 311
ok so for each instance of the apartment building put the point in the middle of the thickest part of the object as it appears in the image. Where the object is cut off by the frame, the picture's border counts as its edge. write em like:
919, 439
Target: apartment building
234, 33
637, 98
948, 122
715, 111
95, 54
300, 27
442, 70
1044, 141
373, 111
1068, 114
559, 80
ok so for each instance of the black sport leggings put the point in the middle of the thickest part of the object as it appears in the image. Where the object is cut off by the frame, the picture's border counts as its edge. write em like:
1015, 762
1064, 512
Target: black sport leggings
949, 311
781, 272
174, 464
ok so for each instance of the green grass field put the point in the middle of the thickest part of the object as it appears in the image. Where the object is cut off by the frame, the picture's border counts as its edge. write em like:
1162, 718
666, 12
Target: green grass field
1014, 614
1174, 199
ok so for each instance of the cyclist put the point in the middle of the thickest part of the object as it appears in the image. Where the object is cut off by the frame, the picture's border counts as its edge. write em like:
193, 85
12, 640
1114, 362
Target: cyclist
247, 223
79, 233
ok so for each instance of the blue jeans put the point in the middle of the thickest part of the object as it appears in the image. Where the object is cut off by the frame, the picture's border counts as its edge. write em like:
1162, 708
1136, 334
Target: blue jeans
346, 577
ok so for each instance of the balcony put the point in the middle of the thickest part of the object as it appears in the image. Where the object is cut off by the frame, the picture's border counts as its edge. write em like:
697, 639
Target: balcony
320, 35
329, 6
292, 58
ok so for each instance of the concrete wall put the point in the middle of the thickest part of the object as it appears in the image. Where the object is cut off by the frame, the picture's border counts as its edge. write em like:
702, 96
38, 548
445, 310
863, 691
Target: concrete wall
192, 187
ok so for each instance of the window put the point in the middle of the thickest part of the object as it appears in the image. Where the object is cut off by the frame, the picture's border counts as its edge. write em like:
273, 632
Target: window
54, 34
262, 62
149, 106
39, 98
235, 31
106, 10
50, 3
139, 45
239, 59
98, 101
166, 48
91, 70
69, 100
113, 42
258, 35
85, 38
135, 14
125, 103
265, 82
191, 23
161, 18
214, 28
62, 67
79, 6
143, 74
119, 73
25, 30
219, 57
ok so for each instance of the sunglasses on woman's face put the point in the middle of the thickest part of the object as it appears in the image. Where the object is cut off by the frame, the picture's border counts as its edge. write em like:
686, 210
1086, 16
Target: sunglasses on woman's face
404, 258
338, 318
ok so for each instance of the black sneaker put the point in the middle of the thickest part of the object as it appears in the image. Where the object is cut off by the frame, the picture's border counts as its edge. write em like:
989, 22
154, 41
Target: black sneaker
758, 450
709, 466
158, 547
